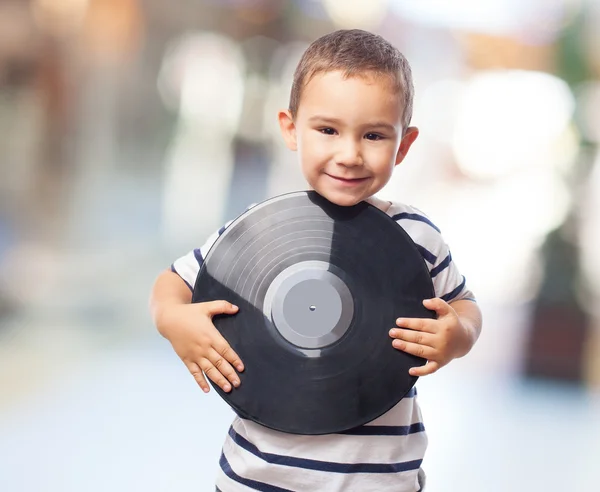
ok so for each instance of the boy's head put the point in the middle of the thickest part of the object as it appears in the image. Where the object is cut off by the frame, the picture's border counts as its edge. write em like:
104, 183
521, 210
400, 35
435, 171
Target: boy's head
349, 114
355, 53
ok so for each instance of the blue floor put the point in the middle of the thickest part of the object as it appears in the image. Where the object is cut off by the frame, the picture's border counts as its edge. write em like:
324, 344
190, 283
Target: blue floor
126, 416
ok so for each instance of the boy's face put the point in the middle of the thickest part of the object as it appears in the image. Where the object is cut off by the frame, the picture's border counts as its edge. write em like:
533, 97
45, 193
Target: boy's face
348, 134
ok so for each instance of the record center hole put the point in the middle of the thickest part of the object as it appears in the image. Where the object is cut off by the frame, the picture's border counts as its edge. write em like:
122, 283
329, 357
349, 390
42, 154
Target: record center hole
313, 308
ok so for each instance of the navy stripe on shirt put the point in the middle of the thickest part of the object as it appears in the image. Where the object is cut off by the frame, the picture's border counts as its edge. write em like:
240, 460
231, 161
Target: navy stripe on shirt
386, 430
253, 484
326, 466
451, 295
420, 218
199, 259
198, 256
442, 266
411, 393
425, 253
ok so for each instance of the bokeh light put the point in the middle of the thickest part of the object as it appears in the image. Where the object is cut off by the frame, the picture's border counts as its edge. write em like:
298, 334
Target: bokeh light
511, 17
365, 14
60, 17
196, 68
510, 120
202, 78
589, 110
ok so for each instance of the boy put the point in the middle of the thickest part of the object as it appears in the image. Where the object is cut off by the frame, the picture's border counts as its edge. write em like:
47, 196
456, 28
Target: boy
348, 120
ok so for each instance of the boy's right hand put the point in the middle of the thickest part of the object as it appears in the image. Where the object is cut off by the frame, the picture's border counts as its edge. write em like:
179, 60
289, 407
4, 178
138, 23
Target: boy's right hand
204, 351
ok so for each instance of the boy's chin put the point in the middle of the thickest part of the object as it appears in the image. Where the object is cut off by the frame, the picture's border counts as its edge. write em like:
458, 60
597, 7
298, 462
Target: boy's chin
341, 199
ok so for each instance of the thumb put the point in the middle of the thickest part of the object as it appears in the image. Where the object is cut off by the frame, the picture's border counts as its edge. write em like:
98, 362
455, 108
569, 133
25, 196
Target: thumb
441, 307
214, 308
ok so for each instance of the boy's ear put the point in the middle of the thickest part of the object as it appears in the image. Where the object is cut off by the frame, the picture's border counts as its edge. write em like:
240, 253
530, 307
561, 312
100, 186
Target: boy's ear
410, 135
288, 129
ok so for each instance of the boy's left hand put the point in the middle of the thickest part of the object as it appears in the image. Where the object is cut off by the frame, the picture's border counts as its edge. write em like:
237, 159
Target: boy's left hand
437, 340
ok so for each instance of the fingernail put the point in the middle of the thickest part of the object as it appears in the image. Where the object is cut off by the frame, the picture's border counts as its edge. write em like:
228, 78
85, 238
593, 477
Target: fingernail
236, 383
240, 367
227, 388
205, 390
234, 306
392, 332
399, 320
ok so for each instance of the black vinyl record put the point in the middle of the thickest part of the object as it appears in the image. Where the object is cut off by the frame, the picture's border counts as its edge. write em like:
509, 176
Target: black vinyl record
318, 286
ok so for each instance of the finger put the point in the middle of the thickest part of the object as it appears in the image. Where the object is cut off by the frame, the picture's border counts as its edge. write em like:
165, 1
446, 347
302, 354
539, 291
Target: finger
214, 308
224, 367
414, 349
418, 337
436, 304
214, 375
425, 370
225, 351
418, 324
198, 376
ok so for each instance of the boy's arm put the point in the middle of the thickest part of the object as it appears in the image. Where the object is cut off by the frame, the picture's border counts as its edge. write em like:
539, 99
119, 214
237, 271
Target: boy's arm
470, 318
192, 334
169, 289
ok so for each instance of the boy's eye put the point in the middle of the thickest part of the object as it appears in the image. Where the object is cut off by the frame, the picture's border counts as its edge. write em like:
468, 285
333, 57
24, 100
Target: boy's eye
373, 136
327, 131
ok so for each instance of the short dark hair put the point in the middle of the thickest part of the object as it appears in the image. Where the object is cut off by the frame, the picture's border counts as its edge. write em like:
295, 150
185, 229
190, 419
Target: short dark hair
355, 52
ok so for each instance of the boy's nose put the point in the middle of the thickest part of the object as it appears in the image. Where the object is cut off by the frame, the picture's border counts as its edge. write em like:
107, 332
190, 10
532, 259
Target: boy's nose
349, 155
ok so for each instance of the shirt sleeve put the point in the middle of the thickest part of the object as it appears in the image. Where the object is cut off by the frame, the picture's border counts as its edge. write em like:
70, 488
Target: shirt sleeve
449, 284
188, 266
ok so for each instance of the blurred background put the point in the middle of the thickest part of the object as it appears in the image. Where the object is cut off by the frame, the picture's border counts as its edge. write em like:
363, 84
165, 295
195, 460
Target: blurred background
132, 129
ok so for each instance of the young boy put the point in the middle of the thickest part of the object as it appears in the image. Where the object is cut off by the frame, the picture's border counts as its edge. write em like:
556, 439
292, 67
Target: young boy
348, 120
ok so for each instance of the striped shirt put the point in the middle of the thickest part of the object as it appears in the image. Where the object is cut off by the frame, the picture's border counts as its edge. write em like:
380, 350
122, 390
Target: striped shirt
383, 455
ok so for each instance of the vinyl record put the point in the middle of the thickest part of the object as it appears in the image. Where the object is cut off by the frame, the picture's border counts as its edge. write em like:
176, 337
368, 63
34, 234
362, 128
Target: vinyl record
318, 286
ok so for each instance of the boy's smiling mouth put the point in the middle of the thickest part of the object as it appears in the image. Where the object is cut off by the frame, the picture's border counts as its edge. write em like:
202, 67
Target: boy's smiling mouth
348, 181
